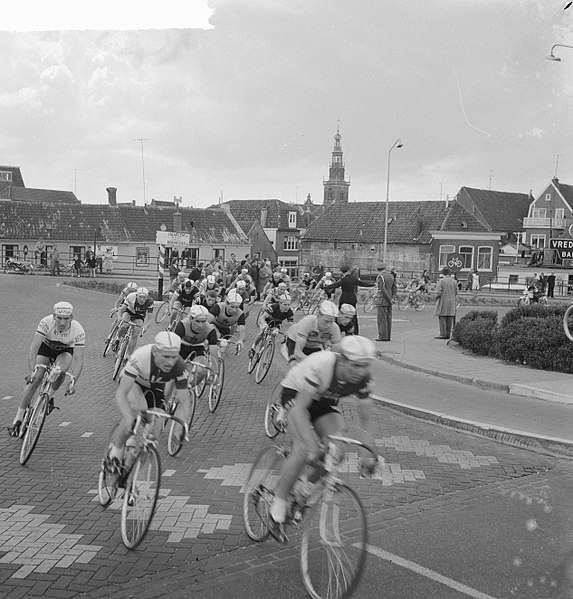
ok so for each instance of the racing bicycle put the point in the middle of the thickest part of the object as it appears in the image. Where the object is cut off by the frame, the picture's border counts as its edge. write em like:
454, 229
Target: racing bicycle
112, 336
262, 353
334, 528
412, 300
139, 476
122, 355
41, 405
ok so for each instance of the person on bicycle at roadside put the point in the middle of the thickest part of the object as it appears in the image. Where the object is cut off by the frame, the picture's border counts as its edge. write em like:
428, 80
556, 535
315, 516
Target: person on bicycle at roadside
311, 391
228, 317
183, 298
346, 320
324, 285
59, 338
134, 309
197, 333
314, 332
273, 317
142, 386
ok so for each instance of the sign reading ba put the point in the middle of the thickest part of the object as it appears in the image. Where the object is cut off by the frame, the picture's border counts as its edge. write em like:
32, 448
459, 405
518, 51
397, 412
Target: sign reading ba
563, 247
172, 239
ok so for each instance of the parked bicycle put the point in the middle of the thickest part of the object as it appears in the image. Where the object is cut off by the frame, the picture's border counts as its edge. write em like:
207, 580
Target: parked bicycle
334, 527
140, 477
262, 353
370, 300
122, 355
41, 405
13, 265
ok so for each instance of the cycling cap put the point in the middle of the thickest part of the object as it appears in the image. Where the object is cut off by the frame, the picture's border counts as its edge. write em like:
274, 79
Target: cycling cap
276, 273
328, 308
211, 293
131, 285
282, 285
234, 298
189, 283
244, 271
143, 291
347, 309
283, 271
357, 349
166, 341
63, 309
285, 297
211, 279
328, 275
197, 311
241, 284
306, 274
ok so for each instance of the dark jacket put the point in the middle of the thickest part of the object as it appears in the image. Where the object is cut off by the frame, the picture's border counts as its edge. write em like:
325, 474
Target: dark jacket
349, 284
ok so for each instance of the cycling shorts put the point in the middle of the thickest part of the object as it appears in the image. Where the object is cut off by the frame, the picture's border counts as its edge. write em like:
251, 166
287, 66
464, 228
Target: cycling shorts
48, 352
154, 397
317, 408
291, 344
187, 350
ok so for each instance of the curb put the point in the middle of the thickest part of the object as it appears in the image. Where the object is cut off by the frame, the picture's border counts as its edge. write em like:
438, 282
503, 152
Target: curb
559, 448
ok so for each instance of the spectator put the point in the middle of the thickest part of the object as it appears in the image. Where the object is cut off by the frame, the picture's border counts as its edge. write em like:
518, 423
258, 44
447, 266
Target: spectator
265, 274
447, 294
475, 281
108, 261
386, 286
77, 265
99, 259
55, 261
550, 285
91, 262
173, 269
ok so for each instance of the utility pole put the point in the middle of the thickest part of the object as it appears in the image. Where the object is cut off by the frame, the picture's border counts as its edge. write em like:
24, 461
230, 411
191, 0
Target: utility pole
141, 140
556, 164
490, 178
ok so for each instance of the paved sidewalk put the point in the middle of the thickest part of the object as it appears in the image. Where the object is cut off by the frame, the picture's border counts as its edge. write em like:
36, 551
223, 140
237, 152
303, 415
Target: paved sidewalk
537, 411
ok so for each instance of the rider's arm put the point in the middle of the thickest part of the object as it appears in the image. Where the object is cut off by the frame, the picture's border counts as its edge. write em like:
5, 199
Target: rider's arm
299, 421
173, 299
119, 300
77, 362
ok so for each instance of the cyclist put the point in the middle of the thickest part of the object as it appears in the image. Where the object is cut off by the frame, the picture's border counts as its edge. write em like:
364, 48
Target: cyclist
209, 283
313, 333
209, 300
273, 283
59, 339
183, 298
228, 317
142, 386
134, 309
308, 282
324, 284
275, 314
129, 288
178, 280
196, 334
312, 390
284, 276
346, 320
273, 294
243, 276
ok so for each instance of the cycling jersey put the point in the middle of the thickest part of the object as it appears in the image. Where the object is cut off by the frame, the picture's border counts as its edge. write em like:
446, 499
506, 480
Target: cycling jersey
186, 295
274, 316
224, 321
315, 375
349, 328
141, 367
314, 338
56, 340
134, 308
190, 337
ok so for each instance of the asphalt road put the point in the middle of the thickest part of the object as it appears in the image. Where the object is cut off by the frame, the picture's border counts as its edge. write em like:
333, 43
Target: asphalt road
450, 515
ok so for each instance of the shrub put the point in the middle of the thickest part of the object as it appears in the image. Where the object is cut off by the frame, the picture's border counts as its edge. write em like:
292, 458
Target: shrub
538, 342
104, 286
475, 331
533, 310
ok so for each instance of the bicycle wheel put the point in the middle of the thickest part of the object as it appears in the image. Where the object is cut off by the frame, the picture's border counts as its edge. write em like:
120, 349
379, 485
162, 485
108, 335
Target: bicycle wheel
34, 427
272, 428
265, 360
120, 358
176, 431
106, 486
333, 548
419, 305
216, 388
568, 322
162, 312
256, 355
200, 387
259, 491
140, 497
368, 304
110, 338
260, 316
403, 304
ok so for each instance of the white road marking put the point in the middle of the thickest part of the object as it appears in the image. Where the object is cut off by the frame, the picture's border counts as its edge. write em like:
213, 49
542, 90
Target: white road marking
87, 434
169, 472
422, 571
8, 397
65, 424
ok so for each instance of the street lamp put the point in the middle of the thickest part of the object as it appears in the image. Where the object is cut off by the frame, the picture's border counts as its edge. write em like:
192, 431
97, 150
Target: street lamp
552, 56
397, 144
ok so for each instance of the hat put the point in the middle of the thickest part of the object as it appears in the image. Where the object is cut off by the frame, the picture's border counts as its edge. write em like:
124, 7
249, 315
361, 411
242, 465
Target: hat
167, 342
381, 266
357, 349
446, 270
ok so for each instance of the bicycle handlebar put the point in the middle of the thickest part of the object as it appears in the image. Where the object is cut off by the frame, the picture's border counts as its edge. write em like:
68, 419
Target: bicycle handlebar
162, 414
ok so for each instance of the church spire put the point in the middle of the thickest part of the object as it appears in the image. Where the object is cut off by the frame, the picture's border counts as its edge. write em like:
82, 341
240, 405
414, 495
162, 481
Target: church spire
336, 188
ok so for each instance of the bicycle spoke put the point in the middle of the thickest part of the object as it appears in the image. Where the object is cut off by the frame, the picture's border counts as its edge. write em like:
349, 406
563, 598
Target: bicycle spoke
333, 549
216, 388
34, 427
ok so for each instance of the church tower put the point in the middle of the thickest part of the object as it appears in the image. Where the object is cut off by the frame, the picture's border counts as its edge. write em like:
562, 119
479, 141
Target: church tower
336, 188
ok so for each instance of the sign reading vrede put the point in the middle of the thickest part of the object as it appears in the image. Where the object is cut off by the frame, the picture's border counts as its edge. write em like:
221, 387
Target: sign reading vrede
563, 247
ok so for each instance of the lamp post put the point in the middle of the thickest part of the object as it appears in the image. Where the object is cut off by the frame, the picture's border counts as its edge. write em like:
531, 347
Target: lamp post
397, 144
552, 56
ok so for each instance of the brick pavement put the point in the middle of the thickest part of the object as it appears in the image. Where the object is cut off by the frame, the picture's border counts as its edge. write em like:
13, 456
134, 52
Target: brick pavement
55, 539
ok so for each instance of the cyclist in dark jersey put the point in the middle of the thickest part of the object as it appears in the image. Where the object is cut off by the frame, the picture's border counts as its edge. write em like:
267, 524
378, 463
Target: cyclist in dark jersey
275, 314
134, 309
346, 320
314, 387
228, 317
183, 298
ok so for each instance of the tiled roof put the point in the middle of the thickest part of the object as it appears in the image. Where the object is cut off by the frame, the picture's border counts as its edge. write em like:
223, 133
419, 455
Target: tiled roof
363, 222
24, 220
29, 194
566, 191
460, 219
16, 176
276, 212
502, 211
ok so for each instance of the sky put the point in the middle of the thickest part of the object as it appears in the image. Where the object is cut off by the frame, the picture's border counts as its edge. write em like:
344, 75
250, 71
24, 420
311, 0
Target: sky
240, 99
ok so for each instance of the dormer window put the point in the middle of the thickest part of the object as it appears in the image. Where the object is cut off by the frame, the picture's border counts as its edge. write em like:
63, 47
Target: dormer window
292, 220
6, 176
548, 197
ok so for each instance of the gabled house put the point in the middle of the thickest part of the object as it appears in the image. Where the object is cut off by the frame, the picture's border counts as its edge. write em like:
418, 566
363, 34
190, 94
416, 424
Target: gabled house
12, 188
549, 217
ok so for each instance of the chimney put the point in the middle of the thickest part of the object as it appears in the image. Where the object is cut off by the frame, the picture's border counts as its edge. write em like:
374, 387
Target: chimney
555, 182
111, 196
177, 221
264, 213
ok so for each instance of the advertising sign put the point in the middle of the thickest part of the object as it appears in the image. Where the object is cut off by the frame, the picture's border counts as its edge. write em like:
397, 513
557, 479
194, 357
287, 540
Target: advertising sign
563, 247
171, 238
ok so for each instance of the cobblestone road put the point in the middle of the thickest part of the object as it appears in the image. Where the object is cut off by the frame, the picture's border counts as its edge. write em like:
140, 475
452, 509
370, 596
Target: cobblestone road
56, 540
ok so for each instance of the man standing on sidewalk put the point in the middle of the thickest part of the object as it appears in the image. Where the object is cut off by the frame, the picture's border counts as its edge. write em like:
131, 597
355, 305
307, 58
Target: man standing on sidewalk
386, 287
447, 296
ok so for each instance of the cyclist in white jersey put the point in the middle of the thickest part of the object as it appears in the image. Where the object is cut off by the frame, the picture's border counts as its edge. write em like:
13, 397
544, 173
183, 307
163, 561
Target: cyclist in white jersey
60, 339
